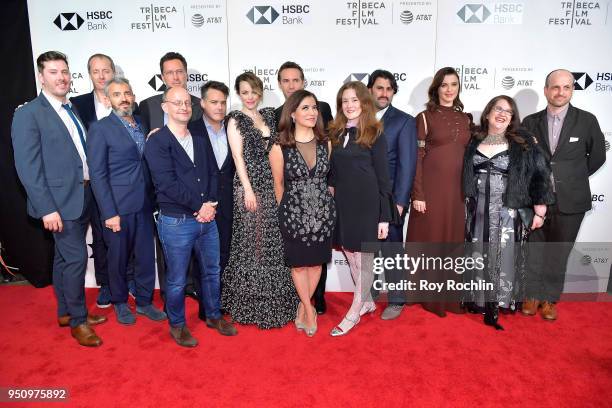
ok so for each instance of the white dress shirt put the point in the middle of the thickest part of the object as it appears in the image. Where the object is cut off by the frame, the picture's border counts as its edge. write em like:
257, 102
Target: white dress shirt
101, 110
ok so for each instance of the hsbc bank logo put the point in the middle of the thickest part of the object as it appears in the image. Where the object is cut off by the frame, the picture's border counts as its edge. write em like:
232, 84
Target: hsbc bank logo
474, 13
506, 12
262, 15
157, 83
582, 80
74, 21
68, 21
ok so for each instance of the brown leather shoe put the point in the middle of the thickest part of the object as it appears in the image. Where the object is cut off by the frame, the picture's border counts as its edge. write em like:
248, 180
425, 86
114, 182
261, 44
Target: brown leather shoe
92, 320
549, 311
224, 327
530, 307
86, 336
183, 337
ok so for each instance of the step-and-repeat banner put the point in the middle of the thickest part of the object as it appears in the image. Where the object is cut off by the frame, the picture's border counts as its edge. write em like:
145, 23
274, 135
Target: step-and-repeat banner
499, 47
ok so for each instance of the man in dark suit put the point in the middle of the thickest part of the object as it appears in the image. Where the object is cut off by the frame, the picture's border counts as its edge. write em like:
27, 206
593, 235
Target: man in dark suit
185, 174
49, 142
212, 129
290, 79
399, 129
91, 107
123, 190
574, 145
173, 67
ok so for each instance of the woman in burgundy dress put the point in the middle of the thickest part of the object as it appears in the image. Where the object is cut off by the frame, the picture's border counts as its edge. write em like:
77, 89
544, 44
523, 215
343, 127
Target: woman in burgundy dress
443, 132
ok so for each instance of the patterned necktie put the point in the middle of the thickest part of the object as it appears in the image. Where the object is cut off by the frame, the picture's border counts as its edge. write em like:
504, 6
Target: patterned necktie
76, 123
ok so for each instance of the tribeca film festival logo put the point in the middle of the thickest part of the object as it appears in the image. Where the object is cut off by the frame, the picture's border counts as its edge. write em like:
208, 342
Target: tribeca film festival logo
202, 16
578, 13
73, 21
290, 14
473, 78
516, 77
415, 11
156, 18
365, 13
598, 82
492, 13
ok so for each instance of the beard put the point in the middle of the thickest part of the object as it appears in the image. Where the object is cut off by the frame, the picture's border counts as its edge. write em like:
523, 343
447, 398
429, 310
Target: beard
125, 111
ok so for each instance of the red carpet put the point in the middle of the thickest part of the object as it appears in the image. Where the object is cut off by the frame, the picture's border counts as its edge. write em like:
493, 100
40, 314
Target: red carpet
417, 360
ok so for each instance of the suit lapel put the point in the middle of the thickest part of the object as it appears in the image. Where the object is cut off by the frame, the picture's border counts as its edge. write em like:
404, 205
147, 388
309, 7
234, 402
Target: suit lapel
157, 114
542, 133
568, 124
59, 123
124, 132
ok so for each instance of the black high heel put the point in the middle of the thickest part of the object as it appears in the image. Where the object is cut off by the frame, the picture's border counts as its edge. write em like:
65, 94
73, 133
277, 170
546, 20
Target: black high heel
491, 315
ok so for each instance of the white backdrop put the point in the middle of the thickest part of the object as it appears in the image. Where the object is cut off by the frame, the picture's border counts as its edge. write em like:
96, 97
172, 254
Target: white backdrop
499, 47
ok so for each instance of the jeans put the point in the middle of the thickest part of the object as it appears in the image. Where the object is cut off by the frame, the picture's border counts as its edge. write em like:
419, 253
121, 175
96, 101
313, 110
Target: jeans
179, 236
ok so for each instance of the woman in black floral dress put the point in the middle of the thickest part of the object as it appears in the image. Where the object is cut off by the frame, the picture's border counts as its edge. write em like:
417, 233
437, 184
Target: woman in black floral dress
307, 214
256, 285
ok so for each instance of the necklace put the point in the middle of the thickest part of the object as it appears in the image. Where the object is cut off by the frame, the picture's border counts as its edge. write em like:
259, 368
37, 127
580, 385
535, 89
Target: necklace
307, 141
495, 139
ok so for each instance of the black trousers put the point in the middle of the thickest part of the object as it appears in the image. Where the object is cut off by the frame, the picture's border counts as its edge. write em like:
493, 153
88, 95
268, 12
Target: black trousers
549, 250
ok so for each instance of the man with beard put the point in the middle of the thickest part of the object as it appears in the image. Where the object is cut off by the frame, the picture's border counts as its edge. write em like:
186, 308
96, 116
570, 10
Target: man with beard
574, 145
400, 133
123, 190
92, 107
50, 148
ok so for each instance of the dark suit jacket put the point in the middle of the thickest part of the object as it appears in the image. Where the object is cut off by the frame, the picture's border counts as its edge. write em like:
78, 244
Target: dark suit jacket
225, 192
47, 161
399, 129
119, 176
152, 114
85, 105
182, 186
324, 110
580, 152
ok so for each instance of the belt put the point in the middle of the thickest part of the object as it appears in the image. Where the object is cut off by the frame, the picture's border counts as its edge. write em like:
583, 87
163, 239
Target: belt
85, 183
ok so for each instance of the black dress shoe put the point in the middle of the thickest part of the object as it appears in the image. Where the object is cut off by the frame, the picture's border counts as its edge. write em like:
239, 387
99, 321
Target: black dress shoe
320, 304
192, 294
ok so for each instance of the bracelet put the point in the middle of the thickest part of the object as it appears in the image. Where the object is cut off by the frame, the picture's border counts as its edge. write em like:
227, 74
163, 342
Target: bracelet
540, 216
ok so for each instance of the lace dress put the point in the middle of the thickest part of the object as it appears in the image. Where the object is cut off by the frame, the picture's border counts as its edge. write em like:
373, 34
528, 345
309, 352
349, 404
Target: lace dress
256, 285
307, 212
494, 229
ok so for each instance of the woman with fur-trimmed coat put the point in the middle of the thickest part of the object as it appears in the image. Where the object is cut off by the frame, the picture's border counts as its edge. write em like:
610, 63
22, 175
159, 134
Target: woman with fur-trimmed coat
506, 181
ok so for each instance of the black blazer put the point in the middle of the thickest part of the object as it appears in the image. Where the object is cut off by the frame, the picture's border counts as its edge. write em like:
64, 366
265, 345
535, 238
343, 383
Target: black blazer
324, 110
153, 116
225, 174
580, 152
182, 186
528, 174
85, 106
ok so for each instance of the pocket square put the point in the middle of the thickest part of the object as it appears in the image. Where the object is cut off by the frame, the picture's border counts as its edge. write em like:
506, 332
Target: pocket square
574, 139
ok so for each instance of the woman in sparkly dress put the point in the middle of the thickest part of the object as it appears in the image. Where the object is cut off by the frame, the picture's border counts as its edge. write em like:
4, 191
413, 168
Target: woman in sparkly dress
306, 213
256, 285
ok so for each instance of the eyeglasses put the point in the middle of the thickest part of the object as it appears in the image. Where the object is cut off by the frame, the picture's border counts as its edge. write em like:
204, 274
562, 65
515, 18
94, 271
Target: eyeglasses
180, 104
499, 109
